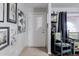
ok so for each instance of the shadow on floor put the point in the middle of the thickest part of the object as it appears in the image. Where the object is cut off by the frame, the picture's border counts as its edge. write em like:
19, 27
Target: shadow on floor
44, 49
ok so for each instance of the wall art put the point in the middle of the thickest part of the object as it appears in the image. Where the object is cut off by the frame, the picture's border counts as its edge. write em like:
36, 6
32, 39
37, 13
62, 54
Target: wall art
12, 12
4, 37
21, 22
1, 12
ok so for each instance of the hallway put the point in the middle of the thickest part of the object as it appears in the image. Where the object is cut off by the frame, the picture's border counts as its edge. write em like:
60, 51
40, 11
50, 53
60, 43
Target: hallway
34, 52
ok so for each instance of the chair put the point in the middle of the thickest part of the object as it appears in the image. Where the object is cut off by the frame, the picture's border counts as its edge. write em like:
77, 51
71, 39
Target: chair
61, 47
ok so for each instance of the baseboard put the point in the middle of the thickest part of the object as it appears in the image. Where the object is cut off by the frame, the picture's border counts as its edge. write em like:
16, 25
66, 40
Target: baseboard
34, 46
49, 53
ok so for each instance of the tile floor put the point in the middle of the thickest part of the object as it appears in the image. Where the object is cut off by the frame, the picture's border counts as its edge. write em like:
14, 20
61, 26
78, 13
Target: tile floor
34, 52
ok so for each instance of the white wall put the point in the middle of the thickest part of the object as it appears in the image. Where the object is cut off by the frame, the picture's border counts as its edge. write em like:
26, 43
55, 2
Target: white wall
16, 48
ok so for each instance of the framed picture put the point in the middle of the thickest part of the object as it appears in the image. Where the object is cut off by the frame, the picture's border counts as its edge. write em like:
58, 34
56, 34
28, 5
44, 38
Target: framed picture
54, 17
4, 37
12, 12
1, 12
21, 22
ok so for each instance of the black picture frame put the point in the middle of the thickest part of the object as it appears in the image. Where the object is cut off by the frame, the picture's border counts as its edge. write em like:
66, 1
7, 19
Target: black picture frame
12, 12
4, 43
2, 10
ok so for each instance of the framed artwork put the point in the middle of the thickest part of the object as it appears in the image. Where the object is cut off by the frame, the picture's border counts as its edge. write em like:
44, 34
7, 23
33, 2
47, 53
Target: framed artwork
1, 12
21, 22
4, 37
12, 12
54, 17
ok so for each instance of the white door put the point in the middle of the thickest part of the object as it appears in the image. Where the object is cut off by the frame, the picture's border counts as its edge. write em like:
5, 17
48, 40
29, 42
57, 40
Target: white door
40, 29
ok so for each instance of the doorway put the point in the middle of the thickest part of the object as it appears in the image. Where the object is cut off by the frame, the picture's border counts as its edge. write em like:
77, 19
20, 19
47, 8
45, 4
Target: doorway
38, 44
40, 29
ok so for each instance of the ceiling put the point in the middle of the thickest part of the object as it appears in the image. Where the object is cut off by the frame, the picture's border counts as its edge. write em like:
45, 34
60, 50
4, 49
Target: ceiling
37, 5
55, 5
65, 5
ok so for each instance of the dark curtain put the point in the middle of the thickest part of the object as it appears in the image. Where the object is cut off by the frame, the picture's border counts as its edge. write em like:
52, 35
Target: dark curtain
62, 25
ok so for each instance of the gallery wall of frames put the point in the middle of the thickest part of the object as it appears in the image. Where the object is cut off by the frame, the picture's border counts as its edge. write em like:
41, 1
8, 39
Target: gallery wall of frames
12, 16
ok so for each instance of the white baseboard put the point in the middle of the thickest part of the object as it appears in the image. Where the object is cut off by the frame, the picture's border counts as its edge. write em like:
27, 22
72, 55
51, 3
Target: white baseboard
49, 53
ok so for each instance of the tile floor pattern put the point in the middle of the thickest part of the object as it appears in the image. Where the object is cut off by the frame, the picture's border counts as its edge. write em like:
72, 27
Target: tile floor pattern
34, 52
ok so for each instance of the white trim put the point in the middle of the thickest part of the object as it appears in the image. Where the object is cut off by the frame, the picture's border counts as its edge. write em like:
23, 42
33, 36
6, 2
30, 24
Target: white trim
49, 28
